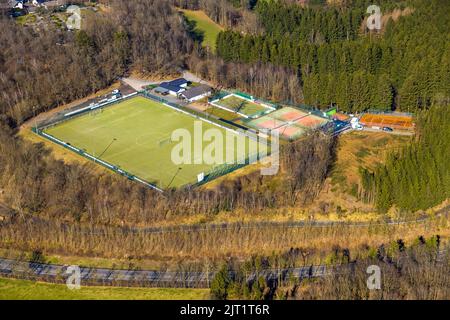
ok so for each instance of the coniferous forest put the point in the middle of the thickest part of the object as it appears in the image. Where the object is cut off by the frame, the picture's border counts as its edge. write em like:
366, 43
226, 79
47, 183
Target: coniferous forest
417, 177
405, 66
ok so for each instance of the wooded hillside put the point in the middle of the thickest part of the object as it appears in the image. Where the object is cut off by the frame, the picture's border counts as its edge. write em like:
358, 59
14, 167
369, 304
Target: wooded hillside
406, 67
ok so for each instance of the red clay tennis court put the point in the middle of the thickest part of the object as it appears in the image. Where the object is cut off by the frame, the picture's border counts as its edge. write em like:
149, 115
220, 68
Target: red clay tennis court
341, 116
289, 122
266, 123
284, 129
388, 120
290, 132
288, 114
311, 122
278, 118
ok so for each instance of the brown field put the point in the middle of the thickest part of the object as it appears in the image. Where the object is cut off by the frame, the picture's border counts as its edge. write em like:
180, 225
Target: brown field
383, 120
366, 149
337, 198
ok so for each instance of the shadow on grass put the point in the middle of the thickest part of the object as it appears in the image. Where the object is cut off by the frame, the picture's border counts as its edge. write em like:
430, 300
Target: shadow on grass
196, 34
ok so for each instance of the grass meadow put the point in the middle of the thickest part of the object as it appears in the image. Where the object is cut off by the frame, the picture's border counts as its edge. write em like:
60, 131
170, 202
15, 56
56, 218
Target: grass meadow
11, 289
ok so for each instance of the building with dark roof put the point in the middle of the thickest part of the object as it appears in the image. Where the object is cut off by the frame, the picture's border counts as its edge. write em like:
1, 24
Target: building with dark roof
174, 87
181, 82
197, 93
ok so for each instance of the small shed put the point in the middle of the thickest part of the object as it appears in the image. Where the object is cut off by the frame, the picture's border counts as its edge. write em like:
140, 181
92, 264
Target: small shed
161, 90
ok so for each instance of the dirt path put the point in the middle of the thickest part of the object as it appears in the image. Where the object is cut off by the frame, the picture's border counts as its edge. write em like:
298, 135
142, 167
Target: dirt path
193, 78
138, 84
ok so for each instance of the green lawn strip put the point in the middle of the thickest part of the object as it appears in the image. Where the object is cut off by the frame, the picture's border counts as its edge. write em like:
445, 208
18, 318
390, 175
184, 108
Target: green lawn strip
221, 113
204, 25
11, 289
246, 107
26, 19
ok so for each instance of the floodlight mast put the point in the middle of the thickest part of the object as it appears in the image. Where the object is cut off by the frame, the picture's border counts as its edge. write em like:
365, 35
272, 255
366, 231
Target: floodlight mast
104, 151
176, 173
35, 120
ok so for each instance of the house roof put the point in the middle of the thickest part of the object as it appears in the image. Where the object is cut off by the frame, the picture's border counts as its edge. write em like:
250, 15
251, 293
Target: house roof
169, 86
178, 82
161, 89
13, 3
196, 91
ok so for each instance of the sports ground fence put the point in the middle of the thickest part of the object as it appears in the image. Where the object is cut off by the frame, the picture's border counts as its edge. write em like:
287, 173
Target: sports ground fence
214, 173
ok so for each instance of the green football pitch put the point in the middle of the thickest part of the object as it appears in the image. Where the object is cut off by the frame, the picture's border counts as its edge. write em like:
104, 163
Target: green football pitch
135, 135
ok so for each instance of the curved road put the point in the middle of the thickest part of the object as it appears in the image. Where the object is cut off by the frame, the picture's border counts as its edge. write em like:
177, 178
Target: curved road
138, 278
150, 278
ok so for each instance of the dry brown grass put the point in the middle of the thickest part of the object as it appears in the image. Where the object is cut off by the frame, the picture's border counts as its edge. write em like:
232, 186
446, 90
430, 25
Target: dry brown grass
365, 149
199, 106
396, 14
355, 150
155, 76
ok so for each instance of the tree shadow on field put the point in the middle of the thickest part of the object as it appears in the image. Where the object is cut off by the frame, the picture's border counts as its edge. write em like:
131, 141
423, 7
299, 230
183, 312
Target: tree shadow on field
196, 35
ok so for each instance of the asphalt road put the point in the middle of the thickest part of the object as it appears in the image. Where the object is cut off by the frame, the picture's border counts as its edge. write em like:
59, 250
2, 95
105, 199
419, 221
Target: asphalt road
150, 278
138, 278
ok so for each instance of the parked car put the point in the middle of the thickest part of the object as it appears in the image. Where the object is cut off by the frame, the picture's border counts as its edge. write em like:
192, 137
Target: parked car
387, 129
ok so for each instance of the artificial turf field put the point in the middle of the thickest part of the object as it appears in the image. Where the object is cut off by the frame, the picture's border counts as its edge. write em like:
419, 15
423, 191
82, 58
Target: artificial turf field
142, 129
221, 113
243, 106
